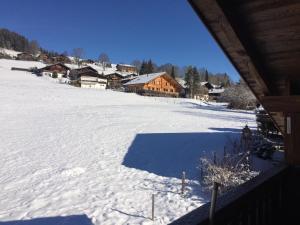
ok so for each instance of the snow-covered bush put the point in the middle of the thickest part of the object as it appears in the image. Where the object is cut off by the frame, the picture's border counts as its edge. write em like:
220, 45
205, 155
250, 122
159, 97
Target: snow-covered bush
230, 170
224, 173
54, 75
239, 96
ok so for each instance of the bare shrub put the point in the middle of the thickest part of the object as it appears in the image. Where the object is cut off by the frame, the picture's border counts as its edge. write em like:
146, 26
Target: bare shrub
230, 170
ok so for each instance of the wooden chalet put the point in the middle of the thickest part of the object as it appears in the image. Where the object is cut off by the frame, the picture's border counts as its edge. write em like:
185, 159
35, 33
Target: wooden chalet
155, 84
25, 56
114, 80
262, 40
126, 68
60, 69
87, 77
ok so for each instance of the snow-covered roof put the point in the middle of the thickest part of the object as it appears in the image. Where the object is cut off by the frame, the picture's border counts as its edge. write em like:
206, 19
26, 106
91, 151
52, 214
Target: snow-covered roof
216, 91
127, 65
142, 79
181, 82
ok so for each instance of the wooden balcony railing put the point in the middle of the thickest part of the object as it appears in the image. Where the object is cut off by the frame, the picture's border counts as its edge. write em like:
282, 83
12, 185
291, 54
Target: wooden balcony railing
264, 200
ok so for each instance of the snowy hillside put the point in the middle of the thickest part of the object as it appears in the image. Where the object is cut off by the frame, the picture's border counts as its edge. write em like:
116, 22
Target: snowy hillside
70, 151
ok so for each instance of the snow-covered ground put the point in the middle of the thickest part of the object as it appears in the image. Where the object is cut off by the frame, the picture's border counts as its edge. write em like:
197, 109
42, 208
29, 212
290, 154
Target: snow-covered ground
70, 151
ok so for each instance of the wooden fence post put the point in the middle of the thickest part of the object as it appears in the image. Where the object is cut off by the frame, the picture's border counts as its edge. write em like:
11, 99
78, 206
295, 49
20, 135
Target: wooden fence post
152, 207
213, 202
183, 183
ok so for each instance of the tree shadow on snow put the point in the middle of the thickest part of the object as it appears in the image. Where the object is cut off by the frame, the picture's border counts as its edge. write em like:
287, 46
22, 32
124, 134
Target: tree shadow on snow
168, 154
58, 220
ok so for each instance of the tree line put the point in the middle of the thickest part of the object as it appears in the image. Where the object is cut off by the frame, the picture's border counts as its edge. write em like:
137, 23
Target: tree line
17, 42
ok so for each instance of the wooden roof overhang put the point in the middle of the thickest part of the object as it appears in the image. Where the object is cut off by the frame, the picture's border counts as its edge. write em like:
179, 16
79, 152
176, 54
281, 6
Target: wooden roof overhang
262, 40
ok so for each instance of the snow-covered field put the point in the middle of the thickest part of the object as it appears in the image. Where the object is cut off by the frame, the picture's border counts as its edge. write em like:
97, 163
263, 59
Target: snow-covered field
70, 151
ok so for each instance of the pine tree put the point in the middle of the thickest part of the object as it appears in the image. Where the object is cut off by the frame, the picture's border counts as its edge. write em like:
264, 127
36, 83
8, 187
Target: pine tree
188, 78
150, 68
196, 80
143, 69
206, 76
173, 72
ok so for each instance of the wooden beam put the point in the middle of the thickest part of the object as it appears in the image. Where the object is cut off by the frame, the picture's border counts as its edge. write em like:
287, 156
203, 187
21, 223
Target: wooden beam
281, 103
213, 16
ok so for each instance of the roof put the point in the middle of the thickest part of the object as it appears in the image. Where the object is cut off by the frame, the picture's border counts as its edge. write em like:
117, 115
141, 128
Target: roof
216, 91
261, 40
146, 78
127, 65
60, 64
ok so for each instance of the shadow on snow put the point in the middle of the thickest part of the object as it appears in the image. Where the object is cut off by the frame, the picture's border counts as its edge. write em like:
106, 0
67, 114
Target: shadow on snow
58, 220
168, 154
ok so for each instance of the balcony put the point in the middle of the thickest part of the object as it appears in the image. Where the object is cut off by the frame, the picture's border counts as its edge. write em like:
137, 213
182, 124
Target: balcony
271, 198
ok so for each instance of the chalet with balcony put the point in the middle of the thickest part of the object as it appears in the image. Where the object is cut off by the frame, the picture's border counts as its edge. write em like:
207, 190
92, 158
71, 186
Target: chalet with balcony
87, 77
126, 68
155, 84
60, 69
261, 39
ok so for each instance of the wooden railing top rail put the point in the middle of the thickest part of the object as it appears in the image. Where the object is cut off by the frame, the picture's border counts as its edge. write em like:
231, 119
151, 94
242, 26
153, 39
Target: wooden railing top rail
234, 202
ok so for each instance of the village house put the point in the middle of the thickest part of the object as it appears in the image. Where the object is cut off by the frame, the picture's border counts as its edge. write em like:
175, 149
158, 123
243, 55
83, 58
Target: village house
57, 70
209, 91
25, 56
87, 77
126, 68
114, 80
155, 84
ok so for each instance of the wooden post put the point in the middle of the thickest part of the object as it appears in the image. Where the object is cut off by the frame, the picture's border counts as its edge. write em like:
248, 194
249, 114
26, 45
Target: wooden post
213, 202
152, 207
183, 183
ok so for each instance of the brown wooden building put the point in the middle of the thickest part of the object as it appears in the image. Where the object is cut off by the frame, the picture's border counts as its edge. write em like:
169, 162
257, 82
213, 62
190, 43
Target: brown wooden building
25, 56
155, 84
59, 68
87, 77
262, 40
126, 68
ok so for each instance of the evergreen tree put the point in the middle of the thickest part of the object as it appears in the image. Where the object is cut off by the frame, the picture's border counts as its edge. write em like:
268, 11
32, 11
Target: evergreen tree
143, 69
150, 68
188, 78
206, 76
173, 72
196, 80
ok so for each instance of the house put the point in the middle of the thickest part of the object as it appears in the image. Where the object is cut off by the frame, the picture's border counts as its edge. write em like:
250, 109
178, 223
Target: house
213, 91
25, 56
258, 37
155, 84
87, 77
87, 61
114, 80
57, 70
126, 68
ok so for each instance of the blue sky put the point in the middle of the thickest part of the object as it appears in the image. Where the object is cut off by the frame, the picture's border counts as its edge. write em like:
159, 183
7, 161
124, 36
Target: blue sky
167, 31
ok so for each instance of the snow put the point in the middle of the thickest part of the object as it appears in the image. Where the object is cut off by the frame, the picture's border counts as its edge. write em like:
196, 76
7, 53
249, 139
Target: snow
69, 151
142, 79
9, 52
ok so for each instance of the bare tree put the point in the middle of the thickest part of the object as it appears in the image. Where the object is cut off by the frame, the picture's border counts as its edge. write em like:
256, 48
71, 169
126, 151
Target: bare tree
103, 59
77, 53
137, 63
34, 47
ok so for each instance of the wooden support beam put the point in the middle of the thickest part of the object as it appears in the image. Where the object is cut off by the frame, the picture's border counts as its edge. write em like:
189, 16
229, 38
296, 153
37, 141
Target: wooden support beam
281, 103
236, 48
